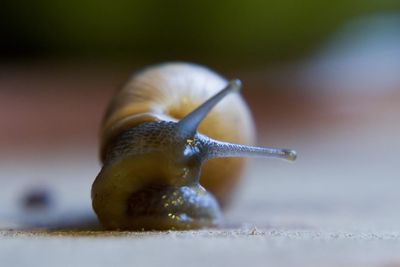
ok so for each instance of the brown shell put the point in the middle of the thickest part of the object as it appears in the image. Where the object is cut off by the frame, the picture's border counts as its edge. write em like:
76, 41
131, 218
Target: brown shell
169, 92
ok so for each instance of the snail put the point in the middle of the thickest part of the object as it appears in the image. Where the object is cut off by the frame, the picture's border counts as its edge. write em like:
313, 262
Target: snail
163, 167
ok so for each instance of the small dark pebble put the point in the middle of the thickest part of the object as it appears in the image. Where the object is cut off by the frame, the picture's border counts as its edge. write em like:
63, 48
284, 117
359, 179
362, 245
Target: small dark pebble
37, 199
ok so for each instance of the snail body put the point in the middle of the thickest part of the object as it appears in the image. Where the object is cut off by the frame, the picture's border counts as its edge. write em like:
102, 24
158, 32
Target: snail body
157, 141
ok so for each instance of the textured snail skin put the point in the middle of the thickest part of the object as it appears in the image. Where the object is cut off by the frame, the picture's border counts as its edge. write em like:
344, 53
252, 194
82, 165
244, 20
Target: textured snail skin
152, 179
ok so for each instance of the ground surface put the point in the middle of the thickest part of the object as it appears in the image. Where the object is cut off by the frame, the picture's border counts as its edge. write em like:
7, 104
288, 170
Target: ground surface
338, 205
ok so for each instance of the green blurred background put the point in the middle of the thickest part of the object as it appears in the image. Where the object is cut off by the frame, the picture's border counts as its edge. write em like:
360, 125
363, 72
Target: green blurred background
232, 33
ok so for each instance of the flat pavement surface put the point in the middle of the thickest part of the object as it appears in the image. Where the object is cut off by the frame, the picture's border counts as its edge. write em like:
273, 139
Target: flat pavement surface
337, 205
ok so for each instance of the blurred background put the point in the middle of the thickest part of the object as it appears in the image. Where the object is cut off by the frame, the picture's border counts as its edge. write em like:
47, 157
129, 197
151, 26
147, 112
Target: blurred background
322, 77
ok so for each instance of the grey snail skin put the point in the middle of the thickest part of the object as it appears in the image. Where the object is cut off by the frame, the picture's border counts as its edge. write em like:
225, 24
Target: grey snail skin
171, 148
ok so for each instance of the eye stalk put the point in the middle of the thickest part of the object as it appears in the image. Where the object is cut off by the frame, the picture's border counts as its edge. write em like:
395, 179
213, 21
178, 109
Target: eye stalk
187, 127
217, 149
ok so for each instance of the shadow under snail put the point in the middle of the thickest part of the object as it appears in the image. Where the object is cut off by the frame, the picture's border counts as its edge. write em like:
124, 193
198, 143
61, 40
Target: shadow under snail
159, 148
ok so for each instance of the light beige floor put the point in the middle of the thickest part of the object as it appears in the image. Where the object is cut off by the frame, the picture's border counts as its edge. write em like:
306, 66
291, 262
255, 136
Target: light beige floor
338, 205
